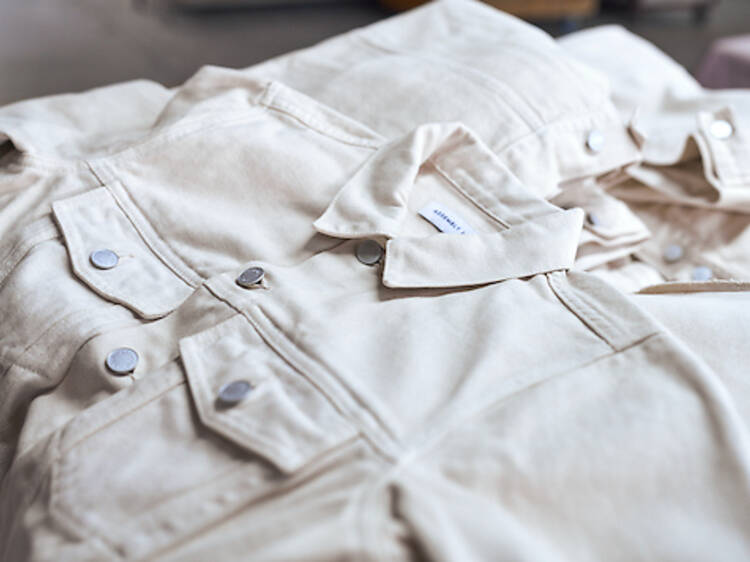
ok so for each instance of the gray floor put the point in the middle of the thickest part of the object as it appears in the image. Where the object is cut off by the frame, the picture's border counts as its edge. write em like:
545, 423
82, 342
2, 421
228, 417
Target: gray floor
53, 46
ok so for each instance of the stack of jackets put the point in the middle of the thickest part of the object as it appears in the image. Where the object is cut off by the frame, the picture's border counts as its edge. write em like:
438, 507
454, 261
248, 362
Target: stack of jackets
440, 288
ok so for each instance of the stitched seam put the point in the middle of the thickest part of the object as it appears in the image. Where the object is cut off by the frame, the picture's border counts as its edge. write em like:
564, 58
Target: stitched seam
524, 111
308, 118
121, 415
434, 440
265, 491
23, 247
463, 192
190, 127
60, 513
591, 317
69, 319
88, 336
219, 423
590, 313
270, 99
568, 123
289, 348
724, 160
284, 342
312, 124
292, 355
96, 173
157, 244
143, 304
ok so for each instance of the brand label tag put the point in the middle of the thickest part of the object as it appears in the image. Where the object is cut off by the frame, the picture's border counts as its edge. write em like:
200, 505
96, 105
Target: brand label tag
444, 219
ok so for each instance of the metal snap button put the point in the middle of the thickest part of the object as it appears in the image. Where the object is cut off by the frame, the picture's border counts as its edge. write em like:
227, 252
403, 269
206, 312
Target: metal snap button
593, 219
595, 141
122, 360
234, 392
673, 253
251, 276
702, 273
369, 252
721, 129
103, 259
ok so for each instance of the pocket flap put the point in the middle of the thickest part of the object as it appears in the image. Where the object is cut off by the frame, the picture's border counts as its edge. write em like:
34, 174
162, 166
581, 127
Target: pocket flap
725, 148
608, 219
284, 417
140, 280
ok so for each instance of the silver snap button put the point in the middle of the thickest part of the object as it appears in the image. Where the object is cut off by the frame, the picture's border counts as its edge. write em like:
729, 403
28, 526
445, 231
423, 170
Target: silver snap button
369, 252
103, 259
593, 219
673, 253
702, 273
595, 141
251, 276
721, 129
122, 360
234, 392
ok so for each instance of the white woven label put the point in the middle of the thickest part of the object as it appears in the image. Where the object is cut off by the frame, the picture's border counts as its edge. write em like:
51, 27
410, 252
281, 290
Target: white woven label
444, 219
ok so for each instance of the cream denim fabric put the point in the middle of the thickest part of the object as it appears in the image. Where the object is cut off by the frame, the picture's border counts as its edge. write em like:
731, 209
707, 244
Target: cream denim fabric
673, 116
462, 397
485, 68
396, 410
692, 188
691, 191
491, 70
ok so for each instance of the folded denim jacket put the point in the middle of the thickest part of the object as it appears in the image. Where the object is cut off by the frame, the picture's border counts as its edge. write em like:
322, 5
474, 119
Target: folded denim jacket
346, 368
452, 60
267, 328
691, 188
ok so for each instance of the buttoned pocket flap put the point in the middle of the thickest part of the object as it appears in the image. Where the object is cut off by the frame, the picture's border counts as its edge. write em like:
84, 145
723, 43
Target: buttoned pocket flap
725, 148
608, 220
125, 269
247, 393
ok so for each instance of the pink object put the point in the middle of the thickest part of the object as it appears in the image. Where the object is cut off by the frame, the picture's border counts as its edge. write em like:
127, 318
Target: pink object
727, 63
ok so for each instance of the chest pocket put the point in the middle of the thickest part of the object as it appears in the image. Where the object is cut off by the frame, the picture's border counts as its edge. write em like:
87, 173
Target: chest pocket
167, 457
108, 252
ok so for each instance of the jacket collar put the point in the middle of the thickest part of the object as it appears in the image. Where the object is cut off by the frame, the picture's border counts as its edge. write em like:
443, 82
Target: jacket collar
532, 235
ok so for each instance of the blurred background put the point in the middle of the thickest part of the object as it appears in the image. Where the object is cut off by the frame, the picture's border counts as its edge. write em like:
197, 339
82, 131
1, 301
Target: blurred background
55, 46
